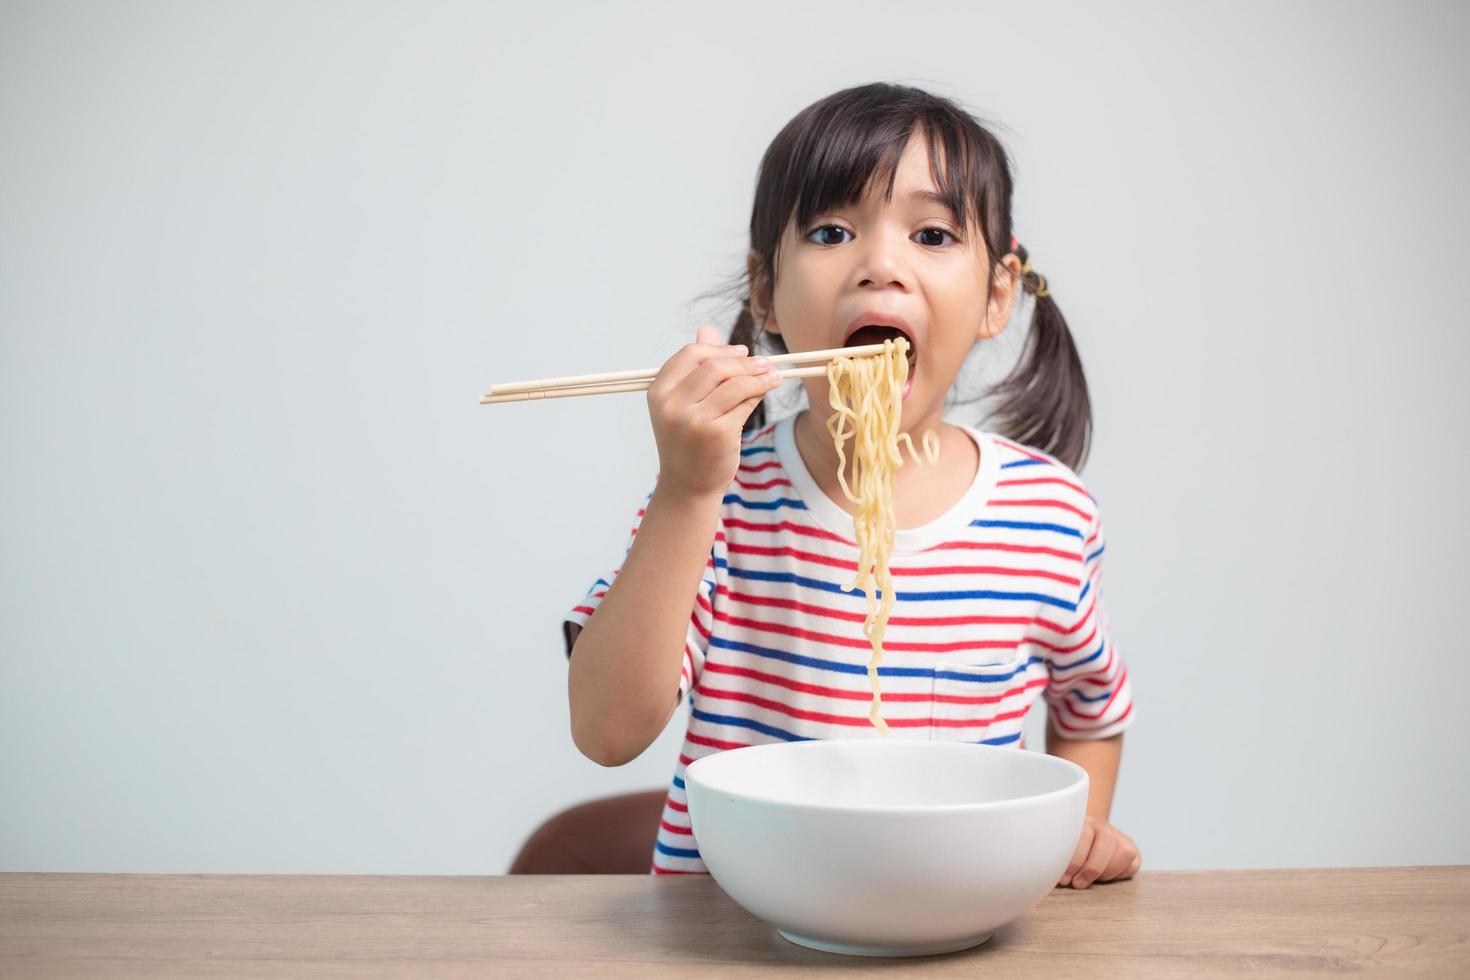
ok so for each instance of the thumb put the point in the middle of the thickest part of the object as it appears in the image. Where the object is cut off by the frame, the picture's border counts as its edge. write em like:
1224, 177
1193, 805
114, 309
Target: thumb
707, 334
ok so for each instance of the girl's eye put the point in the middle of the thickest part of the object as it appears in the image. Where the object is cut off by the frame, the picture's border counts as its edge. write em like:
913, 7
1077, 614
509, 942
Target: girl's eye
821, 228
932, 229
938, 230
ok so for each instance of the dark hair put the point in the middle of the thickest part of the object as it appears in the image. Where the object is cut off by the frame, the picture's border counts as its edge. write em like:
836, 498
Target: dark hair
827, 155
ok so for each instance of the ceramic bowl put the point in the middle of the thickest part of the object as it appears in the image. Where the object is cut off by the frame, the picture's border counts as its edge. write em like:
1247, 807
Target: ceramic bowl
886, 847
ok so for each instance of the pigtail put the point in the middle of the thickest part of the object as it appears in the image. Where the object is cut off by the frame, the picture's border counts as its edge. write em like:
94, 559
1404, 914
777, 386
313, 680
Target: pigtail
1043, 402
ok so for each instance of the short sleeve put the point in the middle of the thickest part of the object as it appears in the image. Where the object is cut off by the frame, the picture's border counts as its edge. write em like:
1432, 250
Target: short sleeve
701, 614
1087, 694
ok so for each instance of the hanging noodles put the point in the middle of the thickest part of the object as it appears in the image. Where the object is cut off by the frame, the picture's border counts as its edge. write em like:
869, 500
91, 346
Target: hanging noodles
866, 394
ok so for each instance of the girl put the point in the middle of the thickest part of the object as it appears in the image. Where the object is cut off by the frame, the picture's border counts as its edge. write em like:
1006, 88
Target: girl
879, 211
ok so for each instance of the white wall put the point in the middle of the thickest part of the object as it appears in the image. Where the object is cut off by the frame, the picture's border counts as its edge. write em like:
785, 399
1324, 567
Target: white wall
278, 595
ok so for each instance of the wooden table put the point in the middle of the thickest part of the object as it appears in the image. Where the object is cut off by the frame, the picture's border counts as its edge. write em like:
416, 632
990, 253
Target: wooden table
1387, 921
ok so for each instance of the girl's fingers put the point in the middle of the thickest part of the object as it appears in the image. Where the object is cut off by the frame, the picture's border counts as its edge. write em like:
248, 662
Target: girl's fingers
736, 416
1134, 866
735, 392
1103, 847
690, 357
1122, 859
703, 381
1084, 844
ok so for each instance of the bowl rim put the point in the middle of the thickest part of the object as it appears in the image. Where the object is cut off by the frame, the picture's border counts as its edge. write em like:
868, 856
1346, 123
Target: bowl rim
895, 808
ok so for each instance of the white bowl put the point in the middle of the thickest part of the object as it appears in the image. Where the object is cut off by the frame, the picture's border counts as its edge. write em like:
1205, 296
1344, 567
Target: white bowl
886, 847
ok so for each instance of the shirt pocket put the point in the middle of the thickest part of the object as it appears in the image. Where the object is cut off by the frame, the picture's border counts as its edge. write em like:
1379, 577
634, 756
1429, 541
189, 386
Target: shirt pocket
982, 698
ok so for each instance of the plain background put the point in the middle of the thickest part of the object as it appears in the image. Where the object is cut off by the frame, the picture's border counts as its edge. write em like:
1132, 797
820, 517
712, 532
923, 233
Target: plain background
278, 595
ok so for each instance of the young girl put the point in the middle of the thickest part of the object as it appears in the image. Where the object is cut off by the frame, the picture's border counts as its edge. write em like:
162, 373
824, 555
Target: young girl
879, 210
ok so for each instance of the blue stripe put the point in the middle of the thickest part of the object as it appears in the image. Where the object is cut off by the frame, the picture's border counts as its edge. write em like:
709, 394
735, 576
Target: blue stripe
804, 661
945, 596
678, 852
735, 498
1029, 526
1082, 597
1085, 660
1022, 462
764, 729
1077, 693
842, 668
1089, 558
678, 782
1001, 740
757, 449
950, 675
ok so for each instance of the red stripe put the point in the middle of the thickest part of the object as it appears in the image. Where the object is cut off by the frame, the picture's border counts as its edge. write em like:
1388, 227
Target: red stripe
1058, 628
905, 697
774, 482
1017, 447
1042, 503
858, 720
1096, 626
768, 464
856, 642
1072, 649
1074, 728
687, 831
713, 743
1022, 549
778, 526
669, 871
851, 566
1044, 479
674, 804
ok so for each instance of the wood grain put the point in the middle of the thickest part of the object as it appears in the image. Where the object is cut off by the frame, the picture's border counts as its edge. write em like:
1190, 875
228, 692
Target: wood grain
1383, 921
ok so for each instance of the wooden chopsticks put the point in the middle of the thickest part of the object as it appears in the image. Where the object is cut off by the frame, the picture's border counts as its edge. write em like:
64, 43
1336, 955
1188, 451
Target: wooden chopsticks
641, 378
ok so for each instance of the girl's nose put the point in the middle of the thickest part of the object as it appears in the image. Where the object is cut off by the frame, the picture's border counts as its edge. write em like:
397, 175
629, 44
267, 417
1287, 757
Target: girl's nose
880, 265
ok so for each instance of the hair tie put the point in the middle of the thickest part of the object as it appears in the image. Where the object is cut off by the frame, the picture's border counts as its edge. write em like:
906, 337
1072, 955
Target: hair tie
1040, 289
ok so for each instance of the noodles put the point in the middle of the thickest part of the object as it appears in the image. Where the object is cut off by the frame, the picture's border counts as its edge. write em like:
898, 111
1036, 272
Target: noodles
866, 394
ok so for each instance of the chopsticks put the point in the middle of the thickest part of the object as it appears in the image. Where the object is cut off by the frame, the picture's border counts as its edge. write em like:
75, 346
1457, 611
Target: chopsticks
639, 379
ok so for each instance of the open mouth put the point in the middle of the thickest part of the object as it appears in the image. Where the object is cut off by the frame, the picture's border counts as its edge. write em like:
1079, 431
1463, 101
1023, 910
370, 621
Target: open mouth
875, 333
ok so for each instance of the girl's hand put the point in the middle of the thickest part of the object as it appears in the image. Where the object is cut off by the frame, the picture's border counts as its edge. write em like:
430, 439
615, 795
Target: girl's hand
698, 403
1104, 853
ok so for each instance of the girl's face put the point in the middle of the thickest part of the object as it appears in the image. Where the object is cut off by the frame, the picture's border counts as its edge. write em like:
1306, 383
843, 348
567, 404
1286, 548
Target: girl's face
900, 262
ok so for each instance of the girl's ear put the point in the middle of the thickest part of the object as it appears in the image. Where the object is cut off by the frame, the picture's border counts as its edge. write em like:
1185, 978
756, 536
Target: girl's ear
760, 294
1003, 289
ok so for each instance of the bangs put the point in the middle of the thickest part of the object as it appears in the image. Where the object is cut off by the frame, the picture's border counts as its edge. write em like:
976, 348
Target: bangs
852, 153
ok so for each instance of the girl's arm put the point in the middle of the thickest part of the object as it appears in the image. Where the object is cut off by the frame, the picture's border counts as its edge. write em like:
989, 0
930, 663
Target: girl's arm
625, 663
1103, 852
1100, 757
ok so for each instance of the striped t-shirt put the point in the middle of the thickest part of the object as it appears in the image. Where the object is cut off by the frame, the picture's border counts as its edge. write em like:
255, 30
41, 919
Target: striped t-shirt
996, 604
